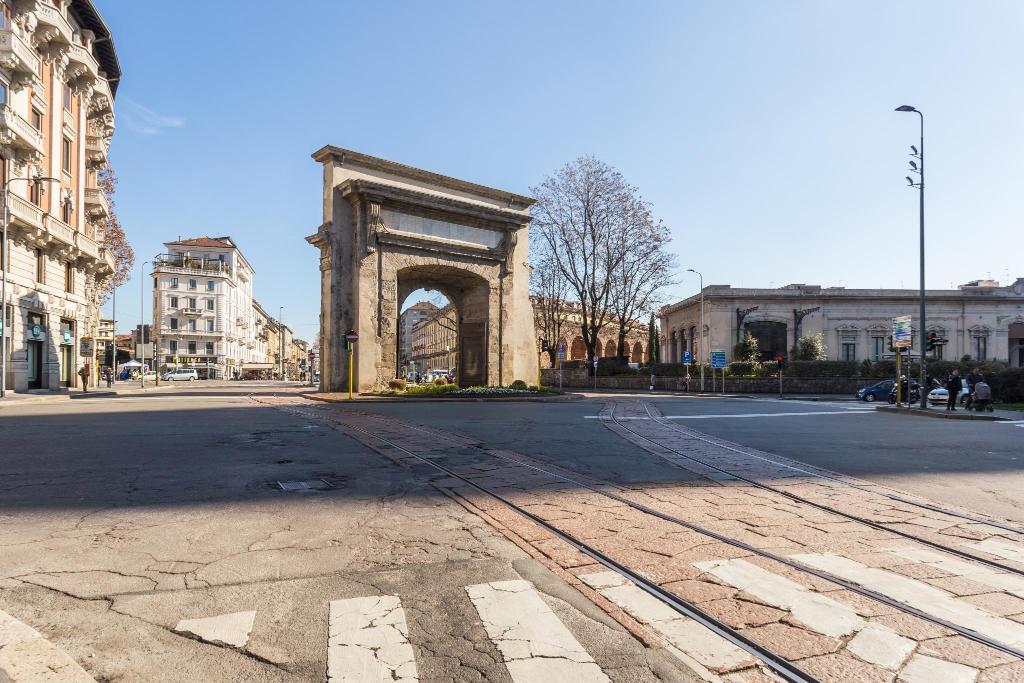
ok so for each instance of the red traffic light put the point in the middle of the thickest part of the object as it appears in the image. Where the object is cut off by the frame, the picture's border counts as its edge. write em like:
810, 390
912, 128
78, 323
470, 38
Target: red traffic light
778, 358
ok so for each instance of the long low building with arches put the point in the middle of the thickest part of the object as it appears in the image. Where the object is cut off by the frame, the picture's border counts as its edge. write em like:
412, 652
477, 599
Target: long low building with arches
981, 319
570, 335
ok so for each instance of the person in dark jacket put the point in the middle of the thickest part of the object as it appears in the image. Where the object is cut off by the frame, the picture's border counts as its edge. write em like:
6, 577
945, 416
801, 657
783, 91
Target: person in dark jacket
953, 387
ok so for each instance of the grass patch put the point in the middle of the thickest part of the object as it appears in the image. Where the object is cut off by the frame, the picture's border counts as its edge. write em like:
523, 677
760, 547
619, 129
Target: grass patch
1008, 406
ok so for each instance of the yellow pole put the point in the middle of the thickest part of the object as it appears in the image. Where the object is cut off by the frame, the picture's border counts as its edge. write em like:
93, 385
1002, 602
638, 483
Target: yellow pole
351, 346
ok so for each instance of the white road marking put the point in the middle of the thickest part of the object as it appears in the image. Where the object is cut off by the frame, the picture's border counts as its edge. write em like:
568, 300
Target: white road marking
1011, 583
1000, 548
535, 645
873, 643
369, 641
27, 656
224, 629
740, 415
920, 595
689, 640
923, 669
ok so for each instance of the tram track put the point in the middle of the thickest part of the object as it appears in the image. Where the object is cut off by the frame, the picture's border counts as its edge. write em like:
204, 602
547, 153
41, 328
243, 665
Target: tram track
770, 659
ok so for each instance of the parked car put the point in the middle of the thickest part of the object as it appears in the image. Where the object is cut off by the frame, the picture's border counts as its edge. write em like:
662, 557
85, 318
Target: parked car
150, 375
180, 376
939, 396
876, 391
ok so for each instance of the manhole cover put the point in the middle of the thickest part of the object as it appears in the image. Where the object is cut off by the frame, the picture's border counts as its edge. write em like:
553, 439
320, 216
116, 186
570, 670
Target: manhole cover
308, 485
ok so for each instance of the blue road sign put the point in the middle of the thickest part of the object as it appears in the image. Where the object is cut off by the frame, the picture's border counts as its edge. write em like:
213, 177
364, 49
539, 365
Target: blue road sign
687, 358
718, 359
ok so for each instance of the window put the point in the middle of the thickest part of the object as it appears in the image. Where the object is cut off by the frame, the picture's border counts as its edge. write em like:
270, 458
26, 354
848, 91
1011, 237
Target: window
849, 347
65, 155
209, 325
69, 277
174, 283
37, 119
173, 346
35, 193
67, 97
174, 323
209, 348
877, 348
40, 267
209, 304
209, 285
191, 284
192, 325
980, 348
192, 303
3, 93
174, 302
5, 16
66, 213
191, 347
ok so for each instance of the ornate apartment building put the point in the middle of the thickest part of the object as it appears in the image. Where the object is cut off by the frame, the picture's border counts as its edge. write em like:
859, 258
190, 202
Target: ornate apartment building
58, 76
980, 319
203, 308
434, 341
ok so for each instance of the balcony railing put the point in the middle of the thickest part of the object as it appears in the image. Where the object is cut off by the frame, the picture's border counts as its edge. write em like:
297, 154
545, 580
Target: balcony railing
96, 204
191, 311
25, 211
17, 56
60, 230
16, 131
96, 151
48, 15
178, 263
87, 245
80, 55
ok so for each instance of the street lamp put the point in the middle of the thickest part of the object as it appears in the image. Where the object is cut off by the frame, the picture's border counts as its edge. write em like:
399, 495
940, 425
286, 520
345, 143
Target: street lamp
142, 324
4, 252
691, 270
918, 168
280, 323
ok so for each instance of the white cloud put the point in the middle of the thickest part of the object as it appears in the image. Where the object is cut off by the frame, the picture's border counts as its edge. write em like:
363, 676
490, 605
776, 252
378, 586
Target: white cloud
143, 120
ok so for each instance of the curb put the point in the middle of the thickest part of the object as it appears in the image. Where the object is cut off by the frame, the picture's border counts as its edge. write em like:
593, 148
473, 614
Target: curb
942, 415
452, 399
26, 656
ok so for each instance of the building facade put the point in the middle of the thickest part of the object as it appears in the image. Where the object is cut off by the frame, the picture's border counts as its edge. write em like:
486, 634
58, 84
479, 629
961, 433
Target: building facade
980, 319
561, 327
410, 318
58, 76
434, 342
203, 308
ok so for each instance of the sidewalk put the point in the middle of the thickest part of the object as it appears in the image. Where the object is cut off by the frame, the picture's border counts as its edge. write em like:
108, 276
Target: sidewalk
119, 388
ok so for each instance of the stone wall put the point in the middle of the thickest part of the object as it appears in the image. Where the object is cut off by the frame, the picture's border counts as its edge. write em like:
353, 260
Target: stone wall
578, 377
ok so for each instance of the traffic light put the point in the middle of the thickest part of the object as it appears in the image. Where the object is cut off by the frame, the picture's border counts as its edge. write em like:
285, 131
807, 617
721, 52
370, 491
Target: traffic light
932, 341
780, 361
888, 340
543, 345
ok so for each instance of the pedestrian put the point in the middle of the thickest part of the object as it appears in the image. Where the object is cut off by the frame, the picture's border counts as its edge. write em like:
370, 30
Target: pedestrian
109, 376
953, 387
982, 396
652, 380
972, 379
83, 372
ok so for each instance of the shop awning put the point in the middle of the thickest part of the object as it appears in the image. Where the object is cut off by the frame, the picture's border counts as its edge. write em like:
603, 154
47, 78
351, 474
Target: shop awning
257, 366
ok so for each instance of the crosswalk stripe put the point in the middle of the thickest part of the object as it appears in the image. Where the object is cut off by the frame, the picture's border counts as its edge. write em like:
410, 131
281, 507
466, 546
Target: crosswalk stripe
920, 595
534, 643
690, 641
873, 643
369, 641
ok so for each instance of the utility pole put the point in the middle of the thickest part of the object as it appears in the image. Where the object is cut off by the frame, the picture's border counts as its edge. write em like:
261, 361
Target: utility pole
918, 153
142, 324
280, 324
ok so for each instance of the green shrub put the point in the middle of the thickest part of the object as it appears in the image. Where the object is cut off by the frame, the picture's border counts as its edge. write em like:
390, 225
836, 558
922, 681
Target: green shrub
397, 384
822, 368
1007, 385
431, 389
741, 368
519, 385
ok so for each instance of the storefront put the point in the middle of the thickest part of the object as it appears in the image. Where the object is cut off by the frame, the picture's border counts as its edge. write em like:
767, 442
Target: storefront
257, 370
205, 366
67, 353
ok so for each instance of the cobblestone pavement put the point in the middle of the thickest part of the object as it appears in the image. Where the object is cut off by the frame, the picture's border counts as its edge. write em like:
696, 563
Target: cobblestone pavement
830, 631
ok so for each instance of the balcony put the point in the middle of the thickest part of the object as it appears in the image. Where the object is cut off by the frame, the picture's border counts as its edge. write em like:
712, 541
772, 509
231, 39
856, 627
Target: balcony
59, 230
242, 322
102, 99
96, 205
51, 25
191, 311
25, 212
177, 263
95, 151
18, 58
87, 246
19, 134
82, 69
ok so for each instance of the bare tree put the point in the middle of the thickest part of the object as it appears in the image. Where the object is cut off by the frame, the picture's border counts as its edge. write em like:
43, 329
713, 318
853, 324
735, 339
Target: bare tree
551, 311
585, 214
640, 277
113, 237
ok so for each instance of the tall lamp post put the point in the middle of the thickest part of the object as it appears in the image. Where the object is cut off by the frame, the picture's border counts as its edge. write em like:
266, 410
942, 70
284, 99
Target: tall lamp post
4, 252
280, 323
142, 324
918, 168
702, 354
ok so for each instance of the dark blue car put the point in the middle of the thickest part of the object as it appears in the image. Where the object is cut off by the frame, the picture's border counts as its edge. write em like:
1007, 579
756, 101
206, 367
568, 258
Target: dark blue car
876, 392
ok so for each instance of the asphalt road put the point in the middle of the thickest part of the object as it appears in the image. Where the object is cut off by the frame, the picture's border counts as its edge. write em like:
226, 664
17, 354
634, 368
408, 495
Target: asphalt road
975, 464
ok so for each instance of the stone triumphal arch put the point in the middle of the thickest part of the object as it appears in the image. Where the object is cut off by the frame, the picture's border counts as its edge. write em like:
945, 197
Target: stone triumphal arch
390, 229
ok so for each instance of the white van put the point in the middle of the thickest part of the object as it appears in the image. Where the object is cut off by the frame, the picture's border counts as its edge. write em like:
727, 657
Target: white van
180, 376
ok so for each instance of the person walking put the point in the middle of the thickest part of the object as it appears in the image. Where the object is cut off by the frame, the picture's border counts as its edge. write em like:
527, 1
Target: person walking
954, 385
972, 379
982, 396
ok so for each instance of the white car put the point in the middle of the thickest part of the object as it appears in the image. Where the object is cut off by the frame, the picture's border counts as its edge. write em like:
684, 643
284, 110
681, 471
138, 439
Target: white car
180, 376
939, 396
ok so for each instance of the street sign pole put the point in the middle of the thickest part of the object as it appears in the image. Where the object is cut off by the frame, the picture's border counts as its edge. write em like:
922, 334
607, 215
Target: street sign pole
595, 373
350, 341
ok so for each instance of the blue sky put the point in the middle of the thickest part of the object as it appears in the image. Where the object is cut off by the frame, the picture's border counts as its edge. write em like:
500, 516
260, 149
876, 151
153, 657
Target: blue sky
763, 133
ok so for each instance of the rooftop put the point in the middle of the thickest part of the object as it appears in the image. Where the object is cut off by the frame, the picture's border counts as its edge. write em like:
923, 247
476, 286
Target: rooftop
224, 242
